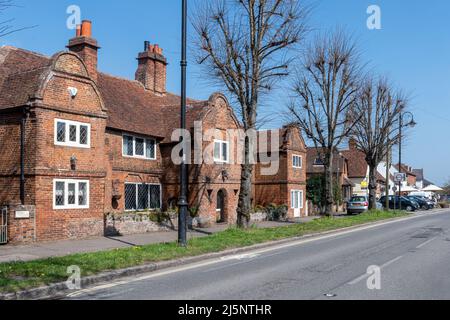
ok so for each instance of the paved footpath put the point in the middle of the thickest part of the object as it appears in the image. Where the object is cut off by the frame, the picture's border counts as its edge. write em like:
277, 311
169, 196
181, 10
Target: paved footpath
10, 253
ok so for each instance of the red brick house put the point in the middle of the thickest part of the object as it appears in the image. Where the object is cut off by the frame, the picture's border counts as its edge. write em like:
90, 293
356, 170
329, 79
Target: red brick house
94, 144
290, 180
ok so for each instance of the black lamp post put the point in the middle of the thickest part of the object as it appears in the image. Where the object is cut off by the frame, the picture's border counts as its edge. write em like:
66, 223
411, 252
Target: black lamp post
411, 123
183, 204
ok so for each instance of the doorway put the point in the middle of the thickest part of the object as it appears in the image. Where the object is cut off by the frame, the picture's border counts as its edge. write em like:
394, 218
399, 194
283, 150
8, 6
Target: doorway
220, 207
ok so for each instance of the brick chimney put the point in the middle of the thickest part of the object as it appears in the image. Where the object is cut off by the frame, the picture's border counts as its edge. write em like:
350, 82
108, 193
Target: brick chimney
152, 66
352, 144
86, 47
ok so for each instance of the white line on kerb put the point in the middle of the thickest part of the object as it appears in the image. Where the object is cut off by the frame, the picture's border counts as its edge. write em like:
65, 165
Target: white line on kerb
257, 252
364, 276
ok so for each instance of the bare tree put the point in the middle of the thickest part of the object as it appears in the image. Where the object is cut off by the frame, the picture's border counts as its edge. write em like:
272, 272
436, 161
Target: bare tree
325, 94
6, 26
447, 187
244, 44
377, 127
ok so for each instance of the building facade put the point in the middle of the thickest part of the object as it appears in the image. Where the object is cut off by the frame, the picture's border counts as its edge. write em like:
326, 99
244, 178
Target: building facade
78, 144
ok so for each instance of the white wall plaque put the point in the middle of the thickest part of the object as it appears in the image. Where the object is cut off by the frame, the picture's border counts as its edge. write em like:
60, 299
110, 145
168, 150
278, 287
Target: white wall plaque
22, 214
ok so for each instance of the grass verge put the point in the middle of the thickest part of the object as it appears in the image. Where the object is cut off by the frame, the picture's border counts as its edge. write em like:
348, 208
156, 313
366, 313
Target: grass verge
18, 276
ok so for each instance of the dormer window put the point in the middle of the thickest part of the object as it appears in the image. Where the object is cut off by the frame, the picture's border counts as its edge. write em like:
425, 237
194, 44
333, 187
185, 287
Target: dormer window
138, 147
318, 162
72, 134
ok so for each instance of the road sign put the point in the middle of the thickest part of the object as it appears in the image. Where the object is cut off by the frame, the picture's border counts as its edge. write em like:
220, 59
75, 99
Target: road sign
400, 177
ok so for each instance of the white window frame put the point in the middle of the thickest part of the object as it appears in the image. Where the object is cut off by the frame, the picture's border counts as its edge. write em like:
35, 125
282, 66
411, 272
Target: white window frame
220, 159
300, 199
66, 182
68, 143
293, 161
134, 156
136, 184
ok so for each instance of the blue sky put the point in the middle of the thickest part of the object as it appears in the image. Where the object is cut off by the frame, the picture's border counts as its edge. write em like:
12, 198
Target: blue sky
412, 48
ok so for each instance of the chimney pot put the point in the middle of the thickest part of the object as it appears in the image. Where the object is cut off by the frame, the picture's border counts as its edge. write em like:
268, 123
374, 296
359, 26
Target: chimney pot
146, 46
86, 29
78, 31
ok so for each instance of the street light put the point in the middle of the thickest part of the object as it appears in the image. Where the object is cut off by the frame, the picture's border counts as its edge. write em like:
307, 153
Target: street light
411, 123
183, 204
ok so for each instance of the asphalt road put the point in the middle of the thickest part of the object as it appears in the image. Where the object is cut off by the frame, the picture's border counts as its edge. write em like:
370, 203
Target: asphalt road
413, 257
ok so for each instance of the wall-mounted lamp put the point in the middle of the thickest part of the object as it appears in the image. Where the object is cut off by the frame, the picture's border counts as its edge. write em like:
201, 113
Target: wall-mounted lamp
225, 175
73, 92
73, 163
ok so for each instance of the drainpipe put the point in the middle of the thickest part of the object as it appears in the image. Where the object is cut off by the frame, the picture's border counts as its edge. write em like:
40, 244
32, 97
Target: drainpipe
25, 112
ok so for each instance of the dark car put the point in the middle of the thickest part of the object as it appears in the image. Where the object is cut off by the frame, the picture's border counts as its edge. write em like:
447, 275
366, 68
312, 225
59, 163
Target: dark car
424, 204
406, 204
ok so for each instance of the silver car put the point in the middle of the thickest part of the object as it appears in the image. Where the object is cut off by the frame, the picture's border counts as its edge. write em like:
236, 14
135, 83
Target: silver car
360, 204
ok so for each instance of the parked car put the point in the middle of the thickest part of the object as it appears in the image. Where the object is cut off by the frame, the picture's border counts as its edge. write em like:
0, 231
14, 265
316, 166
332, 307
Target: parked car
358, 204
406, 204
425, 204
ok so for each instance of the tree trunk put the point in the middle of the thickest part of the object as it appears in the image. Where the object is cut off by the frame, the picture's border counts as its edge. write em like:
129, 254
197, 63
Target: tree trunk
372, 187
329, 185
245, 195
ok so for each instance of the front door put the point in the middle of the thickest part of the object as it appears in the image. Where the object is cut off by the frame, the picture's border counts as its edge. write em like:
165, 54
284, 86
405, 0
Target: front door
297, 202
220, 206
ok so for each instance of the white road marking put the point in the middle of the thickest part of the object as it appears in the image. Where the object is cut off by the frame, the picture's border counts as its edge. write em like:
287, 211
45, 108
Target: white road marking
240, 257
258, 252
365, 276
426, 242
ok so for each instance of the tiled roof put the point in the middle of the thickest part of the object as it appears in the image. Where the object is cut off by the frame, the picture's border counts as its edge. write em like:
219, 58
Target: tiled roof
313, 154
405, 169
130, 107
134, 109
20, 75
357, 165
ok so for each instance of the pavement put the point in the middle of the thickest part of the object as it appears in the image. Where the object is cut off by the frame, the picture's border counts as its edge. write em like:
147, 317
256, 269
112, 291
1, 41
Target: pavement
408, 259
9, 253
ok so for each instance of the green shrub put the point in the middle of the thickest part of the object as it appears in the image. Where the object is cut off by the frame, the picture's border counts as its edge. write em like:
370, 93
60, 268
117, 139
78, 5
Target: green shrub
276, 213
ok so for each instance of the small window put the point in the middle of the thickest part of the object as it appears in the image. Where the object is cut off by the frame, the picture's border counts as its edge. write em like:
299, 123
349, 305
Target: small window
71, 194
297, 161
221, 151
84, 135
150, 149
141, 196
139, 147
128, 146
59, 194
61, 132
72, 134
318, 162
